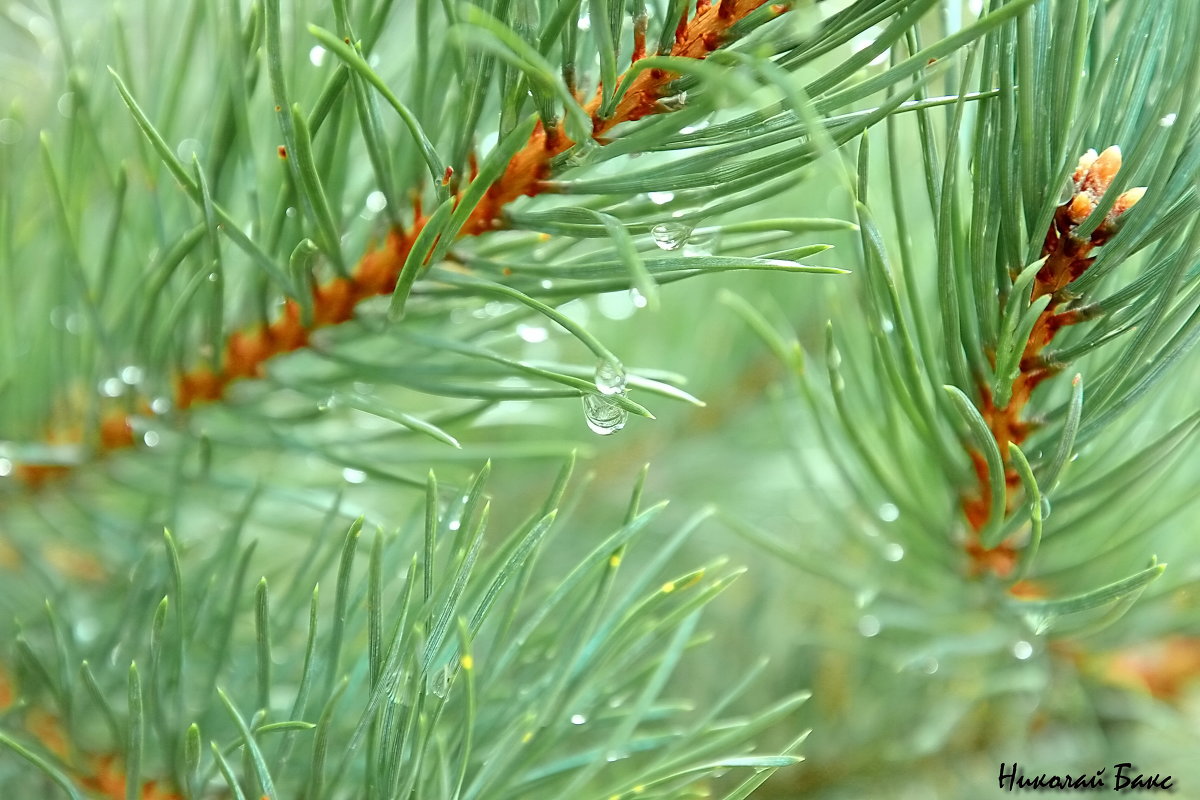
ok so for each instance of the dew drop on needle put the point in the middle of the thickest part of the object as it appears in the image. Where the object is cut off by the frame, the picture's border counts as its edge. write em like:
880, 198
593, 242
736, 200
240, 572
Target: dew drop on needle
602, 415
701, 242
610, 377
601, 412
670, 235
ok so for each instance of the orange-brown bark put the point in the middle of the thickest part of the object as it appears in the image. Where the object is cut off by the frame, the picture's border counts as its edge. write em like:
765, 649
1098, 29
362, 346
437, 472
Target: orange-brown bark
1067, 257
529, 167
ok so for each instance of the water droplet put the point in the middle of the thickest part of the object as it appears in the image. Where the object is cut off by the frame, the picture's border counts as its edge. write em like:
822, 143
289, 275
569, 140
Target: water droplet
1046, 508
439, 682
66, 104
1022, 650
64, 318
38, 26
353, 475
610, 377
637, 298
376, 201
532, 333
1067, 191
578, 719
893, 552
1168, 120
86, 629
455, 524
188, 148
1040, 621
869, 625
660, 198
132, 375
6, 467
929, 665
547, 284
111, 387
316, 56
616, 305
866, 40
670, 235
213, 277
10, 131
291, 211
886, 325
702, 242
603, 416
151, 438
615, 755
888, 512
160, 405
585, 22
489, 310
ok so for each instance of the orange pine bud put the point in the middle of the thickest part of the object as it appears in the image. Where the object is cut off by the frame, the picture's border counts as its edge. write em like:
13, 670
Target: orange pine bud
1102, 171
1092, 179
1080, 206
1126, 201
1081, 171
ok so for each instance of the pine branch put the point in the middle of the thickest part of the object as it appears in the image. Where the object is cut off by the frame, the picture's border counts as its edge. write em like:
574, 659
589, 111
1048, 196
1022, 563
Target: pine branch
975, 494
931, 427
378, 272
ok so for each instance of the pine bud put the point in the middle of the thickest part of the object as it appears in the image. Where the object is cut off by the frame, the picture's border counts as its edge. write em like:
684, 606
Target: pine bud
1079, 207
1092, 178
1101, 172
1126, 201
1085, 163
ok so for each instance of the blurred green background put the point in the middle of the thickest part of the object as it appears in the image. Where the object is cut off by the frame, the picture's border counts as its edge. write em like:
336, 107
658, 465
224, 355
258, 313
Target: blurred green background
919, 691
